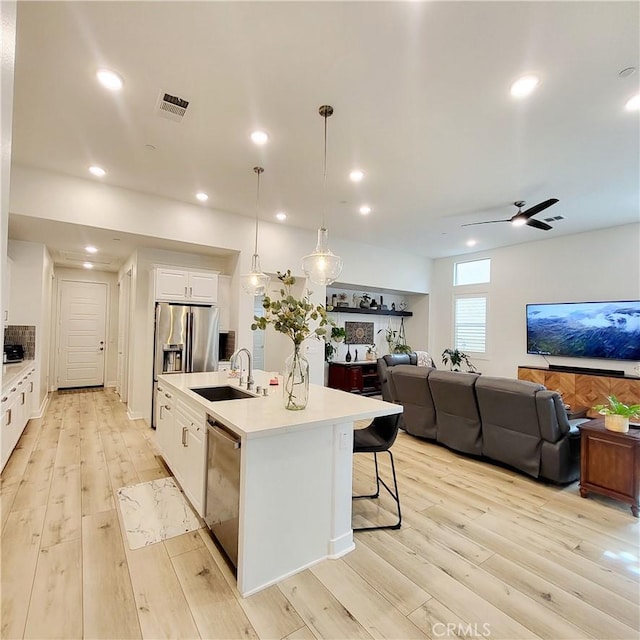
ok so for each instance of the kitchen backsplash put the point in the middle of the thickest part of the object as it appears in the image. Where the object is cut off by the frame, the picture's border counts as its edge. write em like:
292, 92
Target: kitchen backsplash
227, 345
23, 335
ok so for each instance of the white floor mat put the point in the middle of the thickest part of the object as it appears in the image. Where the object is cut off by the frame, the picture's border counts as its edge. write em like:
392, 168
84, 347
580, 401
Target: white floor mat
154, 511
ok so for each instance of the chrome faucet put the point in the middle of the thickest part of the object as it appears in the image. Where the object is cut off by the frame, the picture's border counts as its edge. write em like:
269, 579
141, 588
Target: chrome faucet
235, 357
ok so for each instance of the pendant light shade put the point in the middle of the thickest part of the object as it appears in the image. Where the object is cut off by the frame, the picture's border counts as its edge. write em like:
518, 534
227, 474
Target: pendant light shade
256, 283
323, 266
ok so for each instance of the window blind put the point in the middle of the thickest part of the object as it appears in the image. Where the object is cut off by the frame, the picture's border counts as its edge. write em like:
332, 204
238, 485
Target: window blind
470, 324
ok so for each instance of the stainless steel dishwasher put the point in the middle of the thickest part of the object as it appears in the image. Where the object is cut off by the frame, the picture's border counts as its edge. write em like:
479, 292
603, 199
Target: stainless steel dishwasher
223, 486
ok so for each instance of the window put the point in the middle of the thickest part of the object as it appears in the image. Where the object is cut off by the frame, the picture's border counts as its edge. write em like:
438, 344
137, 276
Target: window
472, 272
470, 324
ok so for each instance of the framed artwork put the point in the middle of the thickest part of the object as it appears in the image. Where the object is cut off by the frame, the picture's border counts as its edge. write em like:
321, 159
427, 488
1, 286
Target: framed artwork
359, 332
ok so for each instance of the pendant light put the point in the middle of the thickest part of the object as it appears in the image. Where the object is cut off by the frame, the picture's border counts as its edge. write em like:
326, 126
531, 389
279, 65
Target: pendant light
256, 283
323, 266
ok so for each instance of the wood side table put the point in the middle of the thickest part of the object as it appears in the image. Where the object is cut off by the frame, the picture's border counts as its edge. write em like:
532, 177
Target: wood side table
610, 463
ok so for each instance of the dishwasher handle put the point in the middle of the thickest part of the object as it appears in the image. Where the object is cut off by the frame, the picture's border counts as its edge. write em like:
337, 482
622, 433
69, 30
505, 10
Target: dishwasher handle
222, 433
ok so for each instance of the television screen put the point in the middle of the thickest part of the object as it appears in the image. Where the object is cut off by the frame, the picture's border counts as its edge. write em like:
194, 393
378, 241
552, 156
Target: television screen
585, 329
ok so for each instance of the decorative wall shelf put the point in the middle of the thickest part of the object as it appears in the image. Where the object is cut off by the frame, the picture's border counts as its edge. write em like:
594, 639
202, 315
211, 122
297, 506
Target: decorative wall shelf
376, 312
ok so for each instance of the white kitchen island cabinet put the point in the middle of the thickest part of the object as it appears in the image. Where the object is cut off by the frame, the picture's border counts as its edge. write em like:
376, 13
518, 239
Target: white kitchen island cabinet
295, 473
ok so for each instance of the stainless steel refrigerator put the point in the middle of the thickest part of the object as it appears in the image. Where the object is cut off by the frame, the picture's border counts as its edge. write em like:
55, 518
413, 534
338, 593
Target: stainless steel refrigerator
186, 341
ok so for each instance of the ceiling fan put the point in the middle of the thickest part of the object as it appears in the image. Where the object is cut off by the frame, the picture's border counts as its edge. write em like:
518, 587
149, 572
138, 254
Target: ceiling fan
524, 217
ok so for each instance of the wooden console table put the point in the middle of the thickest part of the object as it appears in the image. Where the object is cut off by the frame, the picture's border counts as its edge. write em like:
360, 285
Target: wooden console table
355, 377
610, 463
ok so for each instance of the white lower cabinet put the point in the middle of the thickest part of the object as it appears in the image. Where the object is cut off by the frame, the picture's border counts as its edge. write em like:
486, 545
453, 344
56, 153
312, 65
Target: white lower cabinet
180, 435
17, 405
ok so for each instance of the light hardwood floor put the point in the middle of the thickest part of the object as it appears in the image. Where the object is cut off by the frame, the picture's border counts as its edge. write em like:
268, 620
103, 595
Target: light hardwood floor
486, 551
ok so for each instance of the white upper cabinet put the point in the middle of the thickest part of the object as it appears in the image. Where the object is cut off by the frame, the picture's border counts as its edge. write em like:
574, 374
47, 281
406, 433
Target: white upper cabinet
178, 285
224, 302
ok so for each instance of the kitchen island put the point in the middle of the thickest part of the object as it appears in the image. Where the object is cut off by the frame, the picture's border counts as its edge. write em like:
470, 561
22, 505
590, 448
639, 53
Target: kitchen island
295, 469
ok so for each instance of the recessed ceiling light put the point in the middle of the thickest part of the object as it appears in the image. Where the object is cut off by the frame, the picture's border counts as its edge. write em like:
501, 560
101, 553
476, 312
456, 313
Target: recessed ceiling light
471, 243
633, 104
524, 86
99, 172
625, 73
365, 209
203, 197
88, 265
259, 137
281, 215
356, 175
109, 79
91, 249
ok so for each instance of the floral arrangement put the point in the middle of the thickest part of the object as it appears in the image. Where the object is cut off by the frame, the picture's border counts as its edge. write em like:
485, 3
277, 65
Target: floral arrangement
292, 316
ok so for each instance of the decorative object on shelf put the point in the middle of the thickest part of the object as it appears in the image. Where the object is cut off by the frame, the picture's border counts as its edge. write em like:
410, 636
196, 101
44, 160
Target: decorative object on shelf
338, 334
393, 306
356, 356
356, 300
256, 283
342, 300
455, 359
364, 301
373, 304
371, 352
323, 266
403, 306
617, 414
347, 358
359, 332
291, 316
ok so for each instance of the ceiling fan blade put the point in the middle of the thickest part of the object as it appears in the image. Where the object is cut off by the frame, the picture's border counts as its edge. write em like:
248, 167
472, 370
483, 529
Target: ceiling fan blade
538, 225
471, 224
537, 208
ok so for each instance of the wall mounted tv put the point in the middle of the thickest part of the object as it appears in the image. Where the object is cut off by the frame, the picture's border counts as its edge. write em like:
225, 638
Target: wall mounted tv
585, 329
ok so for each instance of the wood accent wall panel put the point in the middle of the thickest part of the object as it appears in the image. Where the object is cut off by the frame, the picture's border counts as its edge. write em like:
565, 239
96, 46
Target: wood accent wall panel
627, 391
582, 390
592, 390
531, 375
563, 383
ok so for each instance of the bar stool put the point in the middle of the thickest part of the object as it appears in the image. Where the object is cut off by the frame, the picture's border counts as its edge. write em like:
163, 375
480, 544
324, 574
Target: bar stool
378, 438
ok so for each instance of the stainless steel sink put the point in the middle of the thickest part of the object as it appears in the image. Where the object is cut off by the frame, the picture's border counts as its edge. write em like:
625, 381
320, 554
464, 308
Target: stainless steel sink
215, 394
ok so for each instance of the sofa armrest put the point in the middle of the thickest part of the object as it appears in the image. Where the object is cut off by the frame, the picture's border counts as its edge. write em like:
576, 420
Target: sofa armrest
551, 415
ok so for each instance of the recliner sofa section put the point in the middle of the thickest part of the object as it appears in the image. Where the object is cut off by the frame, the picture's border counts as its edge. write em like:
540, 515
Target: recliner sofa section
515, 422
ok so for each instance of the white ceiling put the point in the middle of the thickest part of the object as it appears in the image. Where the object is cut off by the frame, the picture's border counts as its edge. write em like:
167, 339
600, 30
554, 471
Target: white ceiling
421, 99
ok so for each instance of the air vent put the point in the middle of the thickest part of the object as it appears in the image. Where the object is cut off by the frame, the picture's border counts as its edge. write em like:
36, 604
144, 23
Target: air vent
554, 219
171, 107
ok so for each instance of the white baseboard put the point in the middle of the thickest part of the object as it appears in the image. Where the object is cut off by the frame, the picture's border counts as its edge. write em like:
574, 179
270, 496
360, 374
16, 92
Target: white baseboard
111, 383
43, 407
134, 415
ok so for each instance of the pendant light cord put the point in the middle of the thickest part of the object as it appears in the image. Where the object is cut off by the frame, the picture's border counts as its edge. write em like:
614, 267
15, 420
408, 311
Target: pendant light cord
258, 171
324, 171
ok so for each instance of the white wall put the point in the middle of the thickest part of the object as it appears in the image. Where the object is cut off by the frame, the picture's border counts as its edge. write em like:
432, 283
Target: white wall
597, 265
111, 280
7, 52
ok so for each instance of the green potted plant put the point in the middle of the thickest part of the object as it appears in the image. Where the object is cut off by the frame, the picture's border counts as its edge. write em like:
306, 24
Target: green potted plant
338, 334
616, 414
455, 359
371, 352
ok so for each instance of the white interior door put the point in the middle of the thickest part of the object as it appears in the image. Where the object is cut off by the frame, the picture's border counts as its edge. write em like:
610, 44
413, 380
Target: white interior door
82, 334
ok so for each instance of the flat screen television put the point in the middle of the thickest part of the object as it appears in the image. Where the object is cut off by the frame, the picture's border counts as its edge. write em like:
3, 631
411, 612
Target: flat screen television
608, 330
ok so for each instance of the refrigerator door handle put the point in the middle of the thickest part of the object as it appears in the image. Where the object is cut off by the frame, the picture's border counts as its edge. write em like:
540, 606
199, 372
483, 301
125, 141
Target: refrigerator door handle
189, 342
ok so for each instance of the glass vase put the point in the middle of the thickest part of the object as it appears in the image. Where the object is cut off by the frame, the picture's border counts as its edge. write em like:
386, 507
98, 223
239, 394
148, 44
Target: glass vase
295, 381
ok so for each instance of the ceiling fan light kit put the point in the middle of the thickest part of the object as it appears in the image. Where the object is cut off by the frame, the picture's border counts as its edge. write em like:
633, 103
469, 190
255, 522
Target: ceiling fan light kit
523, 218
322, 266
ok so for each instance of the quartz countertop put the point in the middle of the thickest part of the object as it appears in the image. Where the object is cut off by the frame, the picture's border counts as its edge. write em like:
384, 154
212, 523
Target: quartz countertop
265, 415
11, 373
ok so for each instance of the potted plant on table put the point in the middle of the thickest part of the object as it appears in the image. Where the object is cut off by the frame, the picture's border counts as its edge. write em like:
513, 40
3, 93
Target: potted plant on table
616, 414
292, 317
455, 359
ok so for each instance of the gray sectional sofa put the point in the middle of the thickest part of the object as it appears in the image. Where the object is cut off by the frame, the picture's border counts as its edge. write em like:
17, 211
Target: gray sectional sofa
514, 422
